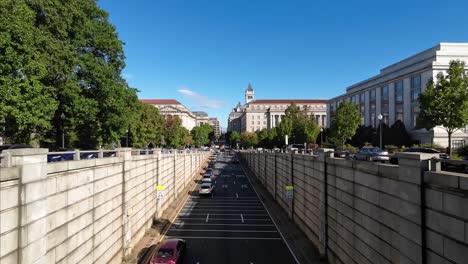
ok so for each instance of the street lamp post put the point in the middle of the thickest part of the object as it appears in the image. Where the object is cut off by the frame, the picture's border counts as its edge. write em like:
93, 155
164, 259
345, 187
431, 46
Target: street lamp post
321, 137
380, 123
62, 116
126, 145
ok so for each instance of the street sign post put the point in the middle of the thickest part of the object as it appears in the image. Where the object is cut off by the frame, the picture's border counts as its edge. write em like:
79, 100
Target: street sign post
289, 192
160, 191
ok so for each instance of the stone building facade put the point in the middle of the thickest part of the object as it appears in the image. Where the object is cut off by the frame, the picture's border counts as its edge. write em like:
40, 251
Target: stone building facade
395, 90
258, 114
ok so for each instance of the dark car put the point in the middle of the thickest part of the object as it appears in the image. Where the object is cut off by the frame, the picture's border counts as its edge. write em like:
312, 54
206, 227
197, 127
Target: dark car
54, 157
372, 154
428, 150
172, 251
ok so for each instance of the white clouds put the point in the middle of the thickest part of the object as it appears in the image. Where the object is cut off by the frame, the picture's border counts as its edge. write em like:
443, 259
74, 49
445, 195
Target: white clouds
200, 101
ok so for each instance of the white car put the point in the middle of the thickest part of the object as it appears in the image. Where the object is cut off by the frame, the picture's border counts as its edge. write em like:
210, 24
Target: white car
208, 174
206, 189
207, 180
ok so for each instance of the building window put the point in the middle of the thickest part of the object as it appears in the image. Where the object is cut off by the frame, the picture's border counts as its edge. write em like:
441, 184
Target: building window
457, 144
264, 122
258, 122
415, 92
372, 106
399, 101
415, 88
384, 104
362, 107
253, 122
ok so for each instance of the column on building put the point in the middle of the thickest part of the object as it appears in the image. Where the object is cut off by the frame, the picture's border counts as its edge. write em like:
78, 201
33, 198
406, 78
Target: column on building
324, 120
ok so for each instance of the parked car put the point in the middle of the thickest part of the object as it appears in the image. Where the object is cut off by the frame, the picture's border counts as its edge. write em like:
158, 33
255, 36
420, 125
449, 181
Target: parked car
295, 147
372, 154
428, 150
172, 251
54, 157
206, 189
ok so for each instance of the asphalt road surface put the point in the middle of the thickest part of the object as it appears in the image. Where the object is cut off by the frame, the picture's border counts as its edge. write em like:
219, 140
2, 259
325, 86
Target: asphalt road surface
232, 226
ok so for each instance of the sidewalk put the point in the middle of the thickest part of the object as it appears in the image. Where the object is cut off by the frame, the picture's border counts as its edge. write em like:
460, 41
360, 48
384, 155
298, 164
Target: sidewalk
302, 247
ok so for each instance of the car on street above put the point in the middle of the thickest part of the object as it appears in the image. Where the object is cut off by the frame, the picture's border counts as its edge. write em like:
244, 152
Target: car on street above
206, 189
295, 147
171, 251
428, 150
372, 154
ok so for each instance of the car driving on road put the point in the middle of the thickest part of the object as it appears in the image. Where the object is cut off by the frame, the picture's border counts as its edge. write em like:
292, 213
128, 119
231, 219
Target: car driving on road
172, 251
206, 189
372, 154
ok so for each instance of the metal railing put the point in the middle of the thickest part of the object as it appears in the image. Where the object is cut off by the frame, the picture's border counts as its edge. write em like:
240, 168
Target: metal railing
456, 166
81, 155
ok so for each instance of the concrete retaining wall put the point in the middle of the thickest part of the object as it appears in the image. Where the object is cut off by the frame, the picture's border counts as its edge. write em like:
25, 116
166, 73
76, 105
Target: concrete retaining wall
362, 212
85, 211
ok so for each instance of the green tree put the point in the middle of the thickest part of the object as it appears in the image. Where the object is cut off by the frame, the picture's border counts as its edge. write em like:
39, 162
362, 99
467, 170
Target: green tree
445, 102
59, 58
285, 127
26, 104
200, 134
148, 127
344, 123
174, 133
234, 138
249, 139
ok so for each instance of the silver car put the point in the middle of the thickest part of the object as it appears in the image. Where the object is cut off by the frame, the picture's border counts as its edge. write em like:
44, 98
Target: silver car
372, 154
206, 189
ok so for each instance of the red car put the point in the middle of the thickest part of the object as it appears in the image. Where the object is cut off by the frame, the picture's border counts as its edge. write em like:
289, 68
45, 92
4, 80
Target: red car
171, 252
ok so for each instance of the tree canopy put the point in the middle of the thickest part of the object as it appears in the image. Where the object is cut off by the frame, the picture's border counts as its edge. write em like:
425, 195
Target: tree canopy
65, 59
201, 134
445, 101
344, 124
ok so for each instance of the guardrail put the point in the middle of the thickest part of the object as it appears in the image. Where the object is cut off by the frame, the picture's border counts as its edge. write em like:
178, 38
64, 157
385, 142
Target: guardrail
457, 166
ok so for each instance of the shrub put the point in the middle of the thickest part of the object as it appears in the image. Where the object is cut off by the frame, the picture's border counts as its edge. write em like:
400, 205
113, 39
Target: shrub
392, 148
463, 151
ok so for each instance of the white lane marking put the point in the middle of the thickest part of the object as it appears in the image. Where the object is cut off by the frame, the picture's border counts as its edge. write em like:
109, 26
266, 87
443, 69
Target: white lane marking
225, 197
210, 224
235, 210
242, 217
279, 231
234, 182
237, 195
224, 230
244, 186
207, 217
233, 238
208, 206
223, 219
228, 214
224, 202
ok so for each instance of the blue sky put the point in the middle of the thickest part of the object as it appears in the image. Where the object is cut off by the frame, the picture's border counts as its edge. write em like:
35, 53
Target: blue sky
204, 53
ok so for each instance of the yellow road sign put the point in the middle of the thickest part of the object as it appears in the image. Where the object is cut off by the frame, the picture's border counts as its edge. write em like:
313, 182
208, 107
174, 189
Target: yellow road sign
160, 187
289, 187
